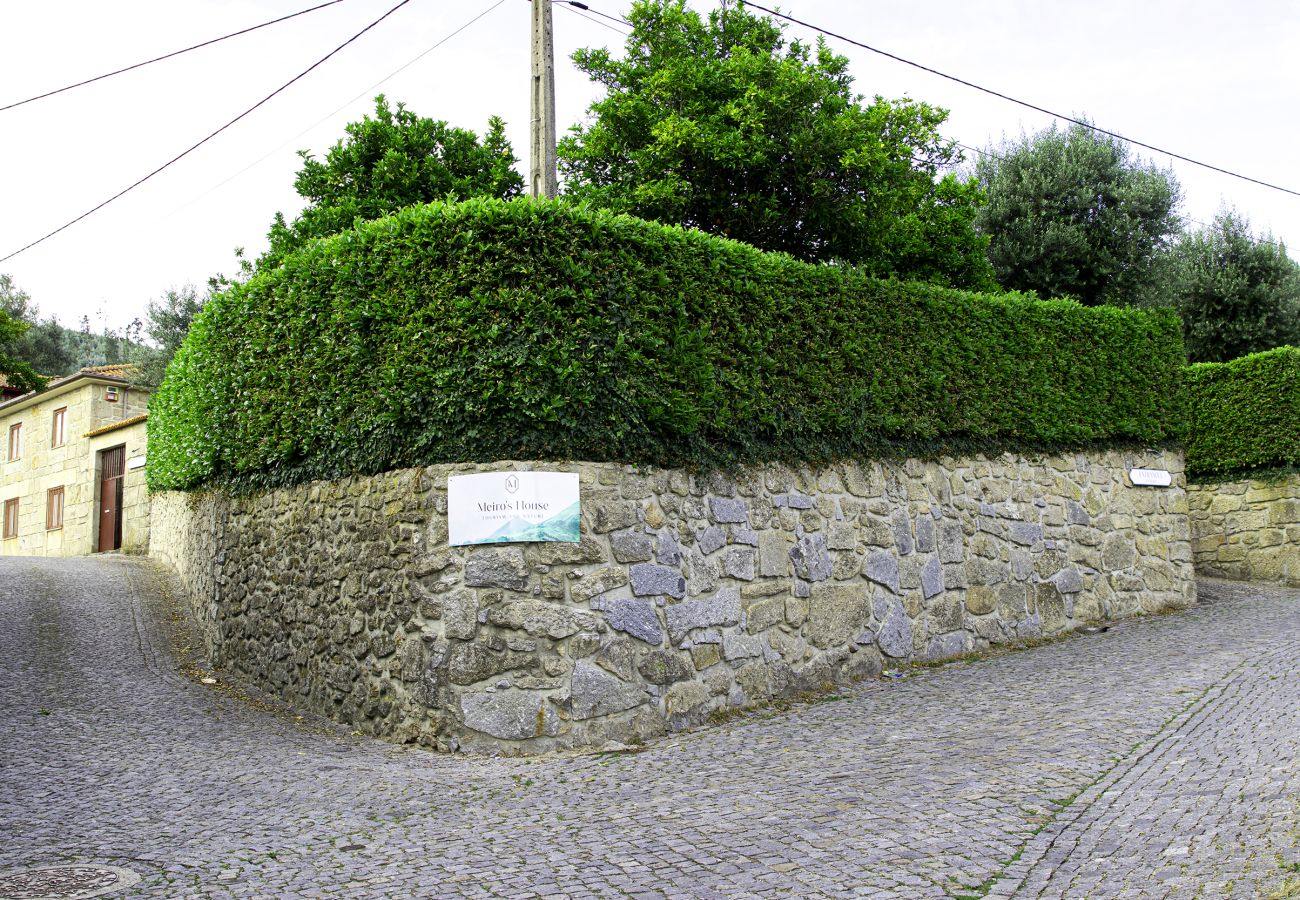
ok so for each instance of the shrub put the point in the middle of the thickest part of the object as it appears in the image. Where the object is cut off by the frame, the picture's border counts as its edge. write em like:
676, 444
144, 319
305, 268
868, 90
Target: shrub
1244, 414
490, 330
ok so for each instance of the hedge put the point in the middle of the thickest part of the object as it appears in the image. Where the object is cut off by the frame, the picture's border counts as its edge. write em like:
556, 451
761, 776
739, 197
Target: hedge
491, 330
1244, 414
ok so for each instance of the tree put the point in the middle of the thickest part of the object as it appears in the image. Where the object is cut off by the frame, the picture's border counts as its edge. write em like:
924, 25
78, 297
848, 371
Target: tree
42, 344
1075, 213
15, 371
723, 125
1237, 293
167, 321
388, 162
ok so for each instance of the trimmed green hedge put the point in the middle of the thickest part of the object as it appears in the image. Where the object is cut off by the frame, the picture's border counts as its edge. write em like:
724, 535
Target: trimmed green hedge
493, 330
1244, 414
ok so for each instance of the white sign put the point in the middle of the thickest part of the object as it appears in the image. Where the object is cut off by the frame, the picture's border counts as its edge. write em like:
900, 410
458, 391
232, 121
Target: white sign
1150, 477
136, 462
513, 507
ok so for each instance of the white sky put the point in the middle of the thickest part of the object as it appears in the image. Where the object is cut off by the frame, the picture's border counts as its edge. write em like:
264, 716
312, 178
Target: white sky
1215, 81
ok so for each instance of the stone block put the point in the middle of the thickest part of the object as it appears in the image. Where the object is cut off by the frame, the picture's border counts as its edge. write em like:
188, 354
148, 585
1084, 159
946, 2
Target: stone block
459, 615
612, 515
894, 637
595, 692
649, 579
667, 550
724, 509
773, 554
881, 566
593, 584
710, 539
739, 563
837, 613
1117, 552
664, 667
684, 697
635, 617
497, 568
470, 662
719, 610
631, 546
510, 715
812, 561
842, 535
763, 614
705, 655
925, 534
981, 600
541, 619
553, 553
932, 578
902, 527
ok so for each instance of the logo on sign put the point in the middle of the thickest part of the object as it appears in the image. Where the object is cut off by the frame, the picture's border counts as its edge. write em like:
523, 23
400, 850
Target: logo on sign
512, 484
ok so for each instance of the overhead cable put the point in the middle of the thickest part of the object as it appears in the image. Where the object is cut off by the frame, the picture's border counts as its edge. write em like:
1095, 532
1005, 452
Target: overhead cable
138, 65
1024, 103
329, 116
196, 146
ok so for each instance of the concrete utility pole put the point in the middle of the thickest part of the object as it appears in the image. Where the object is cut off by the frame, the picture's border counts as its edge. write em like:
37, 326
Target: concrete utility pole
543, 181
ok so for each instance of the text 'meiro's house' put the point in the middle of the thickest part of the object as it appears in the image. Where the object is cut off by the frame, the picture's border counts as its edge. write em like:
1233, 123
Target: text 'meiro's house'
73, 470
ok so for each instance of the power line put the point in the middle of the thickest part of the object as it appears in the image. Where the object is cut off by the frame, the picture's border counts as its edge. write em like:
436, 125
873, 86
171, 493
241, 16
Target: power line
1024, 103
575, 3
168, 55
196, 146
330, 115
570, 5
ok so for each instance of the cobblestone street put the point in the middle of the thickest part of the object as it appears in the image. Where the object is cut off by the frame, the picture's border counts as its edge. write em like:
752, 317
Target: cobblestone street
1158, 759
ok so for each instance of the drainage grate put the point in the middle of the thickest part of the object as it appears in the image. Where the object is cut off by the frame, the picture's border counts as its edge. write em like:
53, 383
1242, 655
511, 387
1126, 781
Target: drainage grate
64, 882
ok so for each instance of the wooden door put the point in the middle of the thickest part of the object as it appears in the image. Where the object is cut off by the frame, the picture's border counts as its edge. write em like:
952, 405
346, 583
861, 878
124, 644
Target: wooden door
112, 466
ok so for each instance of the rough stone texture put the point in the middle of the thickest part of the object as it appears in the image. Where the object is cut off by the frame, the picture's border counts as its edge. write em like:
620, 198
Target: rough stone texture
344, 596
1247, 529
1117, 765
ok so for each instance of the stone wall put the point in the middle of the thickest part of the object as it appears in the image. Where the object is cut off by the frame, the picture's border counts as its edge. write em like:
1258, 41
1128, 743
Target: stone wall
1247, 529
686, 594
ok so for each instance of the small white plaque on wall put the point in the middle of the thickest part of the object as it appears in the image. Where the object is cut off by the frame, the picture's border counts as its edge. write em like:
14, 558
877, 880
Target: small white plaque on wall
1150, 477
512, 508
135, 463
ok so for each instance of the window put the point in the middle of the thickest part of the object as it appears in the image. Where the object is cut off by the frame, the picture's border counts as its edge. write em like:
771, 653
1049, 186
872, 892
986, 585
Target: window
16, 441
110, 394
59, 429
54, 509
11, 518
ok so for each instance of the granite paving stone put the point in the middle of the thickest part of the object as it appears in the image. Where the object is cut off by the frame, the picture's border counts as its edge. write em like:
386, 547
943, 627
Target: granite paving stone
1156, 759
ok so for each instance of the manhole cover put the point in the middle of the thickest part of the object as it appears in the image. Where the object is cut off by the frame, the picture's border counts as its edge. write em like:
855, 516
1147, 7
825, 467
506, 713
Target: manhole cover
64, 882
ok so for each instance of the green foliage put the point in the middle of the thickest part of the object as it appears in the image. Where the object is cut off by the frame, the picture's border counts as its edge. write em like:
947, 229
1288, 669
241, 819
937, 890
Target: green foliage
167, 321
721, 125
493, 330
41, 345
393, 160
1237, 294
1075, 213
1244, 414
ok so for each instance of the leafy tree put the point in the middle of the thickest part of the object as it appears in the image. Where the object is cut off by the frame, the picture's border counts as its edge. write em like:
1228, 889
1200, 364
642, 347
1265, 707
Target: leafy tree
16, 371
1237, 293
388, 162
42, 344
723, 125
167, 321
1075, 213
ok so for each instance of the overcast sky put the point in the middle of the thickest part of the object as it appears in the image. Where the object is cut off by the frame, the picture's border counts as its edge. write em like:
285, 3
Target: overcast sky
1210, 80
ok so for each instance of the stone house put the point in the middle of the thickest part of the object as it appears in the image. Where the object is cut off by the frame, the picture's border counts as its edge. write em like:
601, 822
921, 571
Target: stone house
72, 476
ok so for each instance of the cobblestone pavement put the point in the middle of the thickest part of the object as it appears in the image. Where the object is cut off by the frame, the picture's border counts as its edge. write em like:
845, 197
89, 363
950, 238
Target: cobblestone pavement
1158, 759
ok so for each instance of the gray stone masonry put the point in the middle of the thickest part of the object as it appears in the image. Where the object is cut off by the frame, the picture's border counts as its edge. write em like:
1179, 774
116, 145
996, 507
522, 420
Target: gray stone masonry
686, 594
1248, 529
